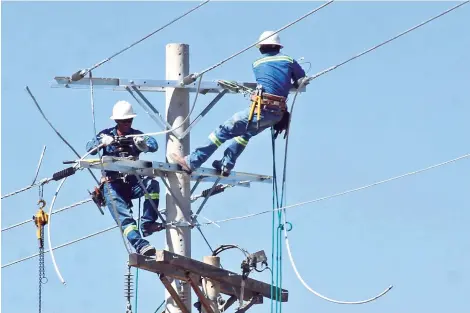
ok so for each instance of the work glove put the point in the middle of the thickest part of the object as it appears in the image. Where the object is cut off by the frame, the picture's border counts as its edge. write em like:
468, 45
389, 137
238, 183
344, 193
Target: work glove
106, 140
140, 143
282, 125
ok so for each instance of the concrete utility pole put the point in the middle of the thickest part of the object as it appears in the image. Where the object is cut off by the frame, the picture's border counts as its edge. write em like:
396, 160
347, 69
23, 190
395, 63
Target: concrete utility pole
178, 239
211, 287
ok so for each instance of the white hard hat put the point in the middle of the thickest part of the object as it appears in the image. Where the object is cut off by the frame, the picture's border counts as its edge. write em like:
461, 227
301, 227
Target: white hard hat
122, 110
273, 40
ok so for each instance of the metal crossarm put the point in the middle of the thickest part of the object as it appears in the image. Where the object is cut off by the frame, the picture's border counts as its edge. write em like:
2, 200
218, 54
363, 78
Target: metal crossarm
120, 84
154, 168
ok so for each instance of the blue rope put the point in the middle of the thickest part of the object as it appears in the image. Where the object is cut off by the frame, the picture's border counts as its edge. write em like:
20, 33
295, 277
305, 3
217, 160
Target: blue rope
277, 249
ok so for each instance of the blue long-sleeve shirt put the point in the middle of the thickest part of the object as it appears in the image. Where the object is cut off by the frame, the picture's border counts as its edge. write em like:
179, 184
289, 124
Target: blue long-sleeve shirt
111, 149
276, 72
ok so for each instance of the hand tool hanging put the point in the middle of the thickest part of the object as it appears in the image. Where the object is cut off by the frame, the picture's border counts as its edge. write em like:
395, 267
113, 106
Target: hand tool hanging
40, 220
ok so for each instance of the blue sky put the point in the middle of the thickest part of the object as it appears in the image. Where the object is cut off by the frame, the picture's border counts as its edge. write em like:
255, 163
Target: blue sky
398, 109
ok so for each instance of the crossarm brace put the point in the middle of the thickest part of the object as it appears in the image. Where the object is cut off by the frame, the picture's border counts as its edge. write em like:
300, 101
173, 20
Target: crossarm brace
199, 294
203, 113
173, 293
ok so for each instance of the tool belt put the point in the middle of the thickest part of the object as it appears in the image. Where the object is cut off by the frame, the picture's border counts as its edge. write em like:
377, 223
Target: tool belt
262, 100
270, 101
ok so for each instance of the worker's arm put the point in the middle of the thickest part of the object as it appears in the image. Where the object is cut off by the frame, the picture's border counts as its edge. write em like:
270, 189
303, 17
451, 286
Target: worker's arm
151, 143
297, 73
101, 138
146, 143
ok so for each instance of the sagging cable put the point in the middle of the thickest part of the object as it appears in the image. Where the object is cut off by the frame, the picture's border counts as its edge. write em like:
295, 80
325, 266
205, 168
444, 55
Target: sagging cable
289, 252
51, 250
82, 73
284, 223
56, 131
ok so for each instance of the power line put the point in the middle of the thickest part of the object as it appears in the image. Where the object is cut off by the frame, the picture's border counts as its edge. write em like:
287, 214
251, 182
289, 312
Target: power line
340, 193
60, 246
192, 77
55, 212
82, 73
385, 42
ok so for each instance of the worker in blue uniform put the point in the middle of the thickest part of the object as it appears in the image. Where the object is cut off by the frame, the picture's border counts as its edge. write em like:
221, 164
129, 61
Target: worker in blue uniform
119, 189
275, 75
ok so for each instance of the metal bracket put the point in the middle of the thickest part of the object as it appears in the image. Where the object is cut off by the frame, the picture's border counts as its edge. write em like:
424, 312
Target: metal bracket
255, 300
203, 113
155, 115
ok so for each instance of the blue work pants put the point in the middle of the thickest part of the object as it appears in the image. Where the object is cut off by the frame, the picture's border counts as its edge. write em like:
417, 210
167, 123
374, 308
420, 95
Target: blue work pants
118, 199
236, 128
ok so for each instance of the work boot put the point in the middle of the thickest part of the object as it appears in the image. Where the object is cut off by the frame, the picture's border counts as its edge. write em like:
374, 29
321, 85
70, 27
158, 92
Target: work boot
148, 250
150, 228
221, 168
181, 162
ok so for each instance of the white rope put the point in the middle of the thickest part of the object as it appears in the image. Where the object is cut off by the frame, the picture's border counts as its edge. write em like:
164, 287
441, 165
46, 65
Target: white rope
289, 252
39, 165
341, 193
49, 232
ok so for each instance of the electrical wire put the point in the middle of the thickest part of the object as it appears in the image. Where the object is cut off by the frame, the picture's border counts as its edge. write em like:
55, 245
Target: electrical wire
55, 130
339, 193
82, 73
385, 42
55, 212
60, 246
192, 77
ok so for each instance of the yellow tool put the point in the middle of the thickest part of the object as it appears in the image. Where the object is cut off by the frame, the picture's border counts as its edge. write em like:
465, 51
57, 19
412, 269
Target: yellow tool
256, 104
40, 219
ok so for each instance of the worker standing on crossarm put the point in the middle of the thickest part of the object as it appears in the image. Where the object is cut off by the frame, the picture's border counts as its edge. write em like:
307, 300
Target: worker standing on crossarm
275, 74
119, 189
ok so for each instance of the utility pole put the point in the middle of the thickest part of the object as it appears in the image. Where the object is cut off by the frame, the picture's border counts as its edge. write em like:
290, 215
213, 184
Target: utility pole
178, 239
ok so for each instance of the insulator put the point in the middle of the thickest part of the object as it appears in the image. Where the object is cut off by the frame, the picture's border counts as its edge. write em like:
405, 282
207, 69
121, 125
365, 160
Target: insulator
64, 173
217, 189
